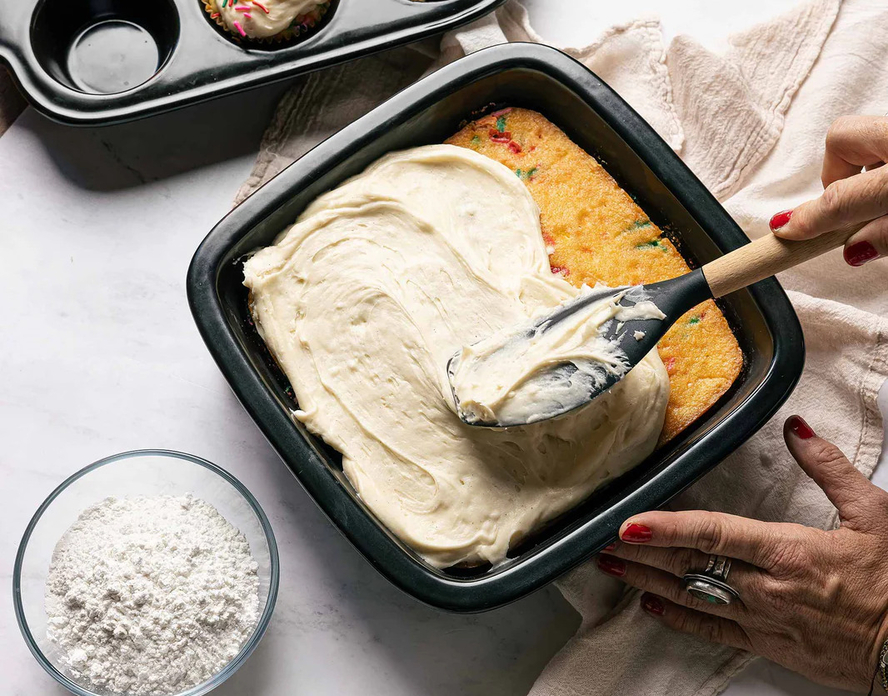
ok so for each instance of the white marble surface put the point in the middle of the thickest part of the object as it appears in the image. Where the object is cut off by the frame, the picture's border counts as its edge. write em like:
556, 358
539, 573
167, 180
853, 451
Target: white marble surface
100, 355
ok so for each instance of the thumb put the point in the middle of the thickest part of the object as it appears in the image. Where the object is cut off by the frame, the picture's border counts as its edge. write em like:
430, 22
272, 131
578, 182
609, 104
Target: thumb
845, 486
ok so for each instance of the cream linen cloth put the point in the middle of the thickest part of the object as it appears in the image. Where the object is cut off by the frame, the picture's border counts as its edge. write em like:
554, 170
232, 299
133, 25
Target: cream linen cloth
750, 122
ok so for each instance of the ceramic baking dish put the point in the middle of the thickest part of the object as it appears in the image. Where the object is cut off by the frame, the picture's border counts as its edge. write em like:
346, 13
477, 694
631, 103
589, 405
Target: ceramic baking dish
597, 119
95, 62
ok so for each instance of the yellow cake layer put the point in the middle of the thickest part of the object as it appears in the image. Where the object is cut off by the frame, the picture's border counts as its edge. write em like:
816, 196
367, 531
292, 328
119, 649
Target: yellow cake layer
596, 233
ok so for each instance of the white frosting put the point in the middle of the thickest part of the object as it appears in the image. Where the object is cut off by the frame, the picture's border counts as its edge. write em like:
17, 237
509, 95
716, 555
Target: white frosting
517, 375
364, 300
256, 22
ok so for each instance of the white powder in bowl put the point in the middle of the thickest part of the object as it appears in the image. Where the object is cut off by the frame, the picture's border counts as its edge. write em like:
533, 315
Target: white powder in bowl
150, 595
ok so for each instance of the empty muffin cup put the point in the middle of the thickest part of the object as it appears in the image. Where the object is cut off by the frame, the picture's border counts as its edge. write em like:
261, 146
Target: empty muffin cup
104, 46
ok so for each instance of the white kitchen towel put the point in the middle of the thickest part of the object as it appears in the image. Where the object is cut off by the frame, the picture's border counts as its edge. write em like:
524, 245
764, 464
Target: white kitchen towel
751, 123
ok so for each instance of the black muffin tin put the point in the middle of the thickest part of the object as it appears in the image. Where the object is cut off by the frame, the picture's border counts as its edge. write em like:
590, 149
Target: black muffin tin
92, 62
428, 112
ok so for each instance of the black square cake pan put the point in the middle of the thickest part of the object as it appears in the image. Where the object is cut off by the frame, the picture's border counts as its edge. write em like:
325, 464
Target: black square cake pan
431, 110
97, 62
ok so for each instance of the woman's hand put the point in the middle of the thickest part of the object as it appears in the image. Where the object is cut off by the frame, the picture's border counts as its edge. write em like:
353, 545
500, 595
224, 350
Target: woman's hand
851, 195
814, 601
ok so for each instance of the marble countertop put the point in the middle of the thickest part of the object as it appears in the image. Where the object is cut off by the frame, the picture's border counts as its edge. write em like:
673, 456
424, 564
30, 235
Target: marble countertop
101, 355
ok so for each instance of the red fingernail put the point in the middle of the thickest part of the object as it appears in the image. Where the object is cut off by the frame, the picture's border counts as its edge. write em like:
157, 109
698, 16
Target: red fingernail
610, 547
800, 428
652, 604
779, 220
859, 253
636, 533
612, 566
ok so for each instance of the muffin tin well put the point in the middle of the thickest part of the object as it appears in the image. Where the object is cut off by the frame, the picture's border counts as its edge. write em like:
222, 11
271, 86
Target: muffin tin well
95, 62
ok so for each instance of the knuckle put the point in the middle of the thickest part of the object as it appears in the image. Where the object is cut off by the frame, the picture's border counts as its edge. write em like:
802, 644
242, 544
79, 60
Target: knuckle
831, 588
709, 533
789, 557
837, 129
769, 591
781, 601
773, 551
877, 189
827, 454
769, 587
834, 201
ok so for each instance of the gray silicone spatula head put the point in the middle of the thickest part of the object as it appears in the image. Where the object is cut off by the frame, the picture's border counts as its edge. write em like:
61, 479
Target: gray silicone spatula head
534, 373
563, 384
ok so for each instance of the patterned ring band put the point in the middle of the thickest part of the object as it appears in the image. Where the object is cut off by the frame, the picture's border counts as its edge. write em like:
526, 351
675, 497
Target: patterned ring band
712, 584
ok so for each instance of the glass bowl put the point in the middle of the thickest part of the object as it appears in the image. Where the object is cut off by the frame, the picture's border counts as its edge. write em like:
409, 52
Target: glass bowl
131, 474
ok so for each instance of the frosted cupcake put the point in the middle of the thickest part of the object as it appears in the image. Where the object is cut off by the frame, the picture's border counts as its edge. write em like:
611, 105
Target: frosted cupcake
266, 20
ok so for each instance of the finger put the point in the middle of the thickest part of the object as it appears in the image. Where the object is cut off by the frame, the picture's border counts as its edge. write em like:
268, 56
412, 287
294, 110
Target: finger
676, 561
857, 199
854, 142
710, 532
664, 584
625, 558
845, 486
869, 243
715, 629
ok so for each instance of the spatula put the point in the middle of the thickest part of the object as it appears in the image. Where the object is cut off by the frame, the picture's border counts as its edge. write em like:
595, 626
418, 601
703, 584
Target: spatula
635, 338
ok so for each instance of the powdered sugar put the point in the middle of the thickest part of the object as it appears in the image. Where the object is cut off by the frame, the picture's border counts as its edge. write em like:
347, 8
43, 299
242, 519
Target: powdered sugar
150, 595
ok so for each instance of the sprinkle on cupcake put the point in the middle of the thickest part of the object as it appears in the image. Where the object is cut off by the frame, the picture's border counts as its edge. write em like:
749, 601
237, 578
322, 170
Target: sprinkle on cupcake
266, 20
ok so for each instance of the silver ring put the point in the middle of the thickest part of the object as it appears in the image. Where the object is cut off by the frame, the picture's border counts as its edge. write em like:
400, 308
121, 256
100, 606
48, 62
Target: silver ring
711, 585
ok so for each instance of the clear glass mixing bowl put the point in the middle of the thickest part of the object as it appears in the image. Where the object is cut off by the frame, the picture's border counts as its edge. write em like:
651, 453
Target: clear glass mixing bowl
131, 474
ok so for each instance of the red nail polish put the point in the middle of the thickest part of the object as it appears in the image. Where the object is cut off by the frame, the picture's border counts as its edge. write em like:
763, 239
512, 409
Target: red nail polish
859, 253
610, 547
800, 428
652, 604
636, 533
612, 566
779, 220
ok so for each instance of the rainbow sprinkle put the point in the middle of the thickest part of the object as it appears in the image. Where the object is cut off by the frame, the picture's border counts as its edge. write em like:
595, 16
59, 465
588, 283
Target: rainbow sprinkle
239, 28
214, 15
260, 6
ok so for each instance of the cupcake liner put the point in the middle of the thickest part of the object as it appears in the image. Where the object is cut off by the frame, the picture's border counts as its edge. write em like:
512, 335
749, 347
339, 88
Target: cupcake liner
299, 27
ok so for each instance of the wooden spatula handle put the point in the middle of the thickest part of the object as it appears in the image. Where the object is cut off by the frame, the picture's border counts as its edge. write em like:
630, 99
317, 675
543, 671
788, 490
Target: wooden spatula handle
767, 256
